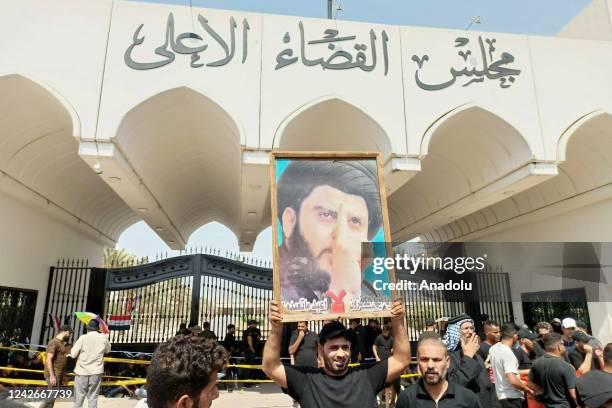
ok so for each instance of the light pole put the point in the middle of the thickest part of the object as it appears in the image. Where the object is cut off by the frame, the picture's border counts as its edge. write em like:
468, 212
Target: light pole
329, 8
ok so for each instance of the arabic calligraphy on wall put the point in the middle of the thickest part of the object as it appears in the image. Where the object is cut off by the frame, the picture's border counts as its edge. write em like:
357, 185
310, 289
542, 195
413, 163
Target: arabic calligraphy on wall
176, 44
490, 68
342, 52
339, 58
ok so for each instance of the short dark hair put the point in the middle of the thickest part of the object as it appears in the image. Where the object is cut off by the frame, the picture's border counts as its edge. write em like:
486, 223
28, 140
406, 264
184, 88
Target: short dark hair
543, 325
551, 341
206, 325
508, 330
607, 353
180, 366
231, 326
490, 323
354, 177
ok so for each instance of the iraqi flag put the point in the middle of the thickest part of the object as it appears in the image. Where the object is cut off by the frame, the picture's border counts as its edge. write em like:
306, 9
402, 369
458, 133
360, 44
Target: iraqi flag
119, 322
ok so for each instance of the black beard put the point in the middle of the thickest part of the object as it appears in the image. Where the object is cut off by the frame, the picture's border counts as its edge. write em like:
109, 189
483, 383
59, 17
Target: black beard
330, 366
301, 269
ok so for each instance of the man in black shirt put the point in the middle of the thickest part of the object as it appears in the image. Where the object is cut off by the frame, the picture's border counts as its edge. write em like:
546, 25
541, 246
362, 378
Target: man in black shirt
335, 385
582, 358
373, 330
466, 366
358, 345
526, 352
492, 336
250, 341
303, 346
433, 389
382, 349
551, 376
595, 388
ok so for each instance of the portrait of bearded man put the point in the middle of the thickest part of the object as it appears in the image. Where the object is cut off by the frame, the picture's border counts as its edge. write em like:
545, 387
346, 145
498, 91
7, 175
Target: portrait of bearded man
326, 210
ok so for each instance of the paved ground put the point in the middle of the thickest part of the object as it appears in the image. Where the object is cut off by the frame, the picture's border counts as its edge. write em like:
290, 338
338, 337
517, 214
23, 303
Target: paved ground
266, 396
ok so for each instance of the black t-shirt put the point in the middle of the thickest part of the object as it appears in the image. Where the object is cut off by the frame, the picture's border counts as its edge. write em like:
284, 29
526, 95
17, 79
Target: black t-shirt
594, 388
312, 388
306, 354
455, 396
255, 334
230, 342
371, 334
576, 358
524, 360
383, 346
483, 351
359, 340
556, 377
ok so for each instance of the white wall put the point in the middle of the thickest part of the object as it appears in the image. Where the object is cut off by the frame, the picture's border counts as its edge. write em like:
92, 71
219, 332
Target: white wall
582, 224
31, 241
593, 23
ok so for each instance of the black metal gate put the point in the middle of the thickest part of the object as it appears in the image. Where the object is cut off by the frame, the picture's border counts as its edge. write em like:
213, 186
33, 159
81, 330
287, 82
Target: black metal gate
545, 306
17, 308
154, 299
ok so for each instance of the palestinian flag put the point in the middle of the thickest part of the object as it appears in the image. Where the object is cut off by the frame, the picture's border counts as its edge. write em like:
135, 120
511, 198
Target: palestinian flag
117, 322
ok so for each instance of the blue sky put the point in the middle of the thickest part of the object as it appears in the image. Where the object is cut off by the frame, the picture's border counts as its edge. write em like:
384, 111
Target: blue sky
533, 17
536, 17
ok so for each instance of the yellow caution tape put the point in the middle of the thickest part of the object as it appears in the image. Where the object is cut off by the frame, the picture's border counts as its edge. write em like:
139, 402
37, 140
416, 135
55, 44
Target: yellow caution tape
26, 370
136, 381
409, 375
125, 360
252, 366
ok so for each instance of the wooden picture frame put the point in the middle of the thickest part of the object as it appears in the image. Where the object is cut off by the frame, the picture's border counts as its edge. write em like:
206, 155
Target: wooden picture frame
290, 310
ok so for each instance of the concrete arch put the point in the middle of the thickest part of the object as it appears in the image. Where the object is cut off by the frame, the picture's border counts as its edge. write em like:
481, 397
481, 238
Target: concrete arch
585, 175
575, 127
34, 82
39, 150
186, 149
456, 113
168, 93
470, 158
317, 118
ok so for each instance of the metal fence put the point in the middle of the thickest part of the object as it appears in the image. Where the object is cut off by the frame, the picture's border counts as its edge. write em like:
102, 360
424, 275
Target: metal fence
17, 308
198, 288
66, 294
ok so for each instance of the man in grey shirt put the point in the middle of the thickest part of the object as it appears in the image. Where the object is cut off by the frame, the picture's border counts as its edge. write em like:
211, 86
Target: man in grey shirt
89, 351
508, 386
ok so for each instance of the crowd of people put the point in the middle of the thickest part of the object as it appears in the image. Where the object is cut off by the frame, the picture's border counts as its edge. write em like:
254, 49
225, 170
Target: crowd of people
557, 365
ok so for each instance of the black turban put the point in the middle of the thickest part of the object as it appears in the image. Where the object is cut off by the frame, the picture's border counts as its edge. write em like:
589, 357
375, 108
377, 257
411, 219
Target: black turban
355, 177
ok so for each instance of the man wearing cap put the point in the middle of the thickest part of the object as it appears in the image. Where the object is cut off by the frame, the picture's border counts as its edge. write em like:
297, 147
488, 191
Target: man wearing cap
595, 388
527, 351
326, 209
89, 351
568, 326
55, 361
552, 376
582, 357
508, 386
335, 384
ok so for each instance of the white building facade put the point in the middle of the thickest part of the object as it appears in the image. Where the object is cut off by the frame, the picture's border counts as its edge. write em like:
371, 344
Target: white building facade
113, 112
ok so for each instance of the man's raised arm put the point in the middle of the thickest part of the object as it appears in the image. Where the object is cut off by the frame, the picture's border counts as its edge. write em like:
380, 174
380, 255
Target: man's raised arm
272, 365
400, 359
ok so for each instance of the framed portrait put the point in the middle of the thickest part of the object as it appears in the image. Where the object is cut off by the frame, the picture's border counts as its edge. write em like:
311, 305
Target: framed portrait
329, 223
